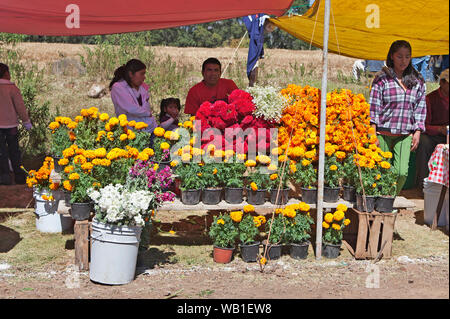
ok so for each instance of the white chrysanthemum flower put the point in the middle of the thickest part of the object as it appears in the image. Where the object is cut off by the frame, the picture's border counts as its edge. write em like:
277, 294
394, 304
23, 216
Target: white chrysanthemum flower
268, 101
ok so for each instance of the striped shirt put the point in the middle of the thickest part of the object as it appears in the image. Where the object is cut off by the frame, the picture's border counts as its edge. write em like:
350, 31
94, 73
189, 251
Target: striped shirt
395, 110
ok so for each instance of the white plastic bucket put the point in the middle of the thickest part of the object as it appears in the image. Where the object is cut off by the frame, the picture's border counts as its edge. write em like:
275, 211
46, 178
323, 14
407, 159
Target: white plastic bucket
48, 220
113, 253
432, 192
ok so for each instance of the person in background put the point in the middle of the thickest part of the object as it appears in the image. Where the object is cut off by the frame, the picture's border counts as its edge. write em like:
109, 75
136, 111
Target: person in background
398, 108
12, 108
168, 117
435, 126
212, 88
130, 94
362, 66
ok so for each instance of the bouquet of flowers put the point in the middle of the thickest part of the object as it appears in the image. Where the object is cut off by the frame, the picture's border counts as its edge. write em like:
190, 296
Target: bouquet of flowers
268, 101
40, 179
117, 205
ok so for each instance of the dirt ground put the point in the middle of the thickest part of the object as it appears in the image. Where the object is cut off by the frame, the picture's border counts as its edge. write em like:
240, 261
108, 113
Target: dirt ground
411, 273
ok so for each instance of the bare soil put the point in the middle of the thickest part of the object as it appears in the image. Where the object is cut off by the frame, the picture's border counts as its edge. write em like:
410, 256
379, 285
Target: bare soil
161, 273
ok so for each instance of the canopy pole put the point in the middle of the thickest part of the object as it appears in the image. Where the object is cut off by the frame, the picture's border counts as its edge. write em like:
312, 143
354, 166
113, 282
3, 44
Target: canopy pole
323, 118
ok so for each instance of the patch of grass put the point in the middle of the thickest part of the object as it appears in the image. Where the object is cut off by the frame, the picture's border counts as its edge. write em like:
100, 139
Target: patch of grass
205, 293
35, 251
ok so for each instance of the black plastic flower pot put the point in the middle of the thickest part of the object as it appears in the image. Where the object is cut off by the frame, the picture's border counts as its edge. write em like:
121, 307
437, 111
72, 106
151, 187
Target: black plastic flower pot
67, 196
58, 168
349, 194
309, 195
191, 196
283, 197
299, 250
370, 202
80, 211
257, 197
234, 195
273, 251
331, 194
331, 250
211, 196
250, 251
384, 204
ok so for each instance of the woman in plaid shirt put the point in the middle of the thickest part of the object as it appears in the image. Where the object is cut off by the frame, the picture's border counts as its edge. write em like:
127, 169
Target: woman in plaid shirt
398, 108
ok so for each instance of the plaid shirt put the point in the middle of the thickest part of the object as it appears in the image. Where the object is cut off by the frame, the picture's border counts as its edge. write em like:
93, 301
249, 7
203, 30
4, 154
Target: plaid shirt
394, 109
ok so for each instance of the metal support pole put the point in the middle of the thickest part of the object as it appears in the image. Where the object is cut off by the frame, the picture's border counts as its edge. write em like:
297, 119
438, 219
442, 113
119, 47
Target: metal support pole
323, 118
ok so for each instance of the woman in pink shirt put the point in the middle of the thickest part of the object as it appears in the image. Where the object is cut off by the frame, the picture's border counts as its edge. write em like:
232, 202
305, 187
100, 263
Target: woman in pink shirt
12, 108
130, 94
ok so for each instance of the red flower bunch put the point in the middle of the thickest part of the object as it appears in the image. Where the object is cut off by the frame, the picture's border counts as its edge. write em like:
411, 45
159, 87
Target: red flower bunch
225, 124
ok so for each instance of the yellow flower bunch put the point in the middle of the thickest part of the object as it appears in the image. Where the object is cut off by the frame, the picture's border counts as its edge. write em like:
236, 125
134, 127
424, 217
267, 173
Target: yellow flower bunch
259, 220
236, 216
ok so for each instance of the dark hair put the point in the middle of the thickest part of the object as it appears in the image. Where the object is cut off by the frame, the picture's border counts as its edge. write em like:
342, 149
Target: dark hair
3, 69
166, 102
122, 72
410, 74
211, 61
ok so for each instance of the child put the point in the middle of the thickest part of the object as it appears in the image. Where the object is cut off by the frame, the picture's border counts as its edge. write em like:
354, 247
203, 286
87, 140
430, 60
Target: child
168, 118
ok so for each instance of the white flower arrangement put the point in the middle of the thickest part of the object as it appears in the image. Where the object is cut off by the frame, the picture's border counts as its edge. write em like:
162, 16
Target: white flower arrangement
116, 205
268, 101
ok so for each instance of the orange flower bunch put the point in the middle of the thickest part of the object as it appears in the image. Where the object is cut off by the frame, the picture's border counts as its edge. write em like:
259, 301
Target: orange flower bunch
41, 178
300, 122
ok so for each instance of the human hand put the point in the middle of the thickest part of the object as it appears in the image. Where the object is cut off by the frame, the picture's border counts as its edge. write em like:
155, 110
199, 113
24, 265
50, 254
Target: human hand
415, 140
27, 126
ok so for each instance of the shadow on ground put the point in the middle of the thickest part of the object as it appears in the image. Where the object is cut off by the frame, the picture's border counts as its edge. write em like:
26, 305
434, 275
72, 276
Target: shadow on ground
9, 238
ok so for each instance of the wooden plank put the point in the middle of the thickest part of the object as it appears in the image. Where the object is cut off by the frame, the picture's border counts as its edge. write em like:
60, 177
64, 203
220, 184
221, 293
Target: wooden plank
81, 230
360, 252
374, 237
177, 205
388, 234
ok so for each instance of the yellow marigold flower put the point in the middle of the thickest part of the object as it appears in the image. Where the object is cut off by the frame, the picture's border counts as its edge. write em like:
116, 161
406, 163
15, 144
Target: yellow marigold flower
325, 225
336, 226
374, 185
104, 117
346, 222
333, 167
53, 125
378, 177
165, 146
110, 136
68, 169
253, 186
79, 159
149, 151
250, 163
167, 135
186, 157
67, 186
342, 207
293, 168
249, 208
263, 159
122, 117
174, 163
385, 164
84, 112
278, 211
236, 216
113, 121
192, 118
54, 186
123, 137
159, 131
273, 177
221, 221
338, 215
100, 152
214, 171
219, 153
87, 166
78, 118
72, 125
155, 167
188, 124
74, 176
305, 162
123, 123
199, 174
241, 157
303, 207
63, 161
328, 217
263, 261
272, 167
386, 154
172, 232
276, 151
133, 123
143, 156
131, 135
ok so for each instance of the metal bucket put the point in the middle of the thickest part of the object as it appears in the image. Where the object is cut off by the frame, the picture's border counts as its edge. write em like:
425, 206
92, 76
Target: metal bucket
114, 253
47, 218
